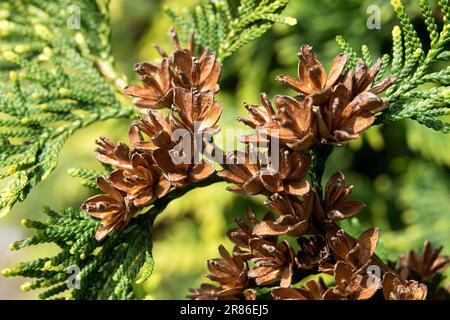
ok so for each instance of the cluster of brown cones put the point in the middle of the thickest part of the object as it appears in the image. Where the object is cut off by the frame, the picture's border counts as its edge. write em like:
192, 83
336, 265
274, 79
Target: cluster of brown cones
146, 171
262, 257
301, 237
329, 109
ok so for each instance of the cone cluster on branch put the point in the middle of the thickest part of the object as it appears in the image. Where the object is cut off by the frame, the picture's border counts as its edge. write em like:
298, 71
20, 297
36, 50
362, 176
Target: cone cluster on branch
301, 236
262, 258
328, 109
145, 171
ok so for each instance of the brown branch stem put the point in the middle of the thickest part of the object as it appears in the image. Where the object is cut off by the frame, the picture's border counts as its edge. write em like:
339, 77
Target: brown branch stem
160, 204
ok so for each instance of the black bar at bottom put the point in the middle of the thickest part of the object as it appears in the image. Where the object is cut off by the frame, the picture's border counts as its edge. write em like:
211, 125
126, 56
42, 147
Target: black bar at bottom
173, 310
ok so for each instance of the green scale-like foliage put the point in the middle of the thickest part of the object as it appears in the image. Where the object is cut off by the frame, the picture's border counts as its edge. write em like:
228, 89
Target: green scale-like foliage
224, 29
85, 268
108, 269
419, 93
88, 177
60, 80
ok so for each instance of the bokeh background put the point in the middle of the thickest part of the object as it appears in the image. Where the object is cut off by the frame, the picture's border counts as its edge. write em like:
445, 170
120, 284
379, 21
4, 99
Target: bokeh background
400, 170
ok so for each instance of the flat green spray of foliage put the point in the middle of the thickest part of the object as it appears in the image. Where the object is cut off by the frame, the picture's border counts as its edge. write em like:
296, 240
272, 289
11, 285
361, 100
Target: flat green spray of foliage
224, 29
97, 270
87, 268
60, 80
419, 93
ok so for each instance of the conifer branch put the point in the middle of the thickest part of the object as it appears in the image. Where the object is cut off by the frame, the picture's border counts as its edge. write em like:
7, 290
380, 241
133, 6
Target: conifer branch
60, 80
411, 97
224, 29
107, 269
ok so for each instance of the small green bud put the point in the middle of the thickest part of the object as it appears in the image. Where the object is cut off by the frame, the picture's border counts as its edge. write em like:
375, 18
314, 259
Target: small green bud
63, 91
25, 121
446, 93
13, 76
11, 170
47, 265
396, 32
290, 21
48, 51
27, 286
46, 54
396, 3
97, 251
42, 31
418, 52
6, 272
12, 247
80, 40
45, 175
5, 28
9, 56
20, 48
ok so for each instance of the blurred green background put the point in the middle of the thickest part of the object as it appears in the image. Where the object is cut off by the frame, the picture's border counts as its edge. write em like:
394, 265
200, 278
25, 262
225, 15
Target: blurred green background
400, 170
